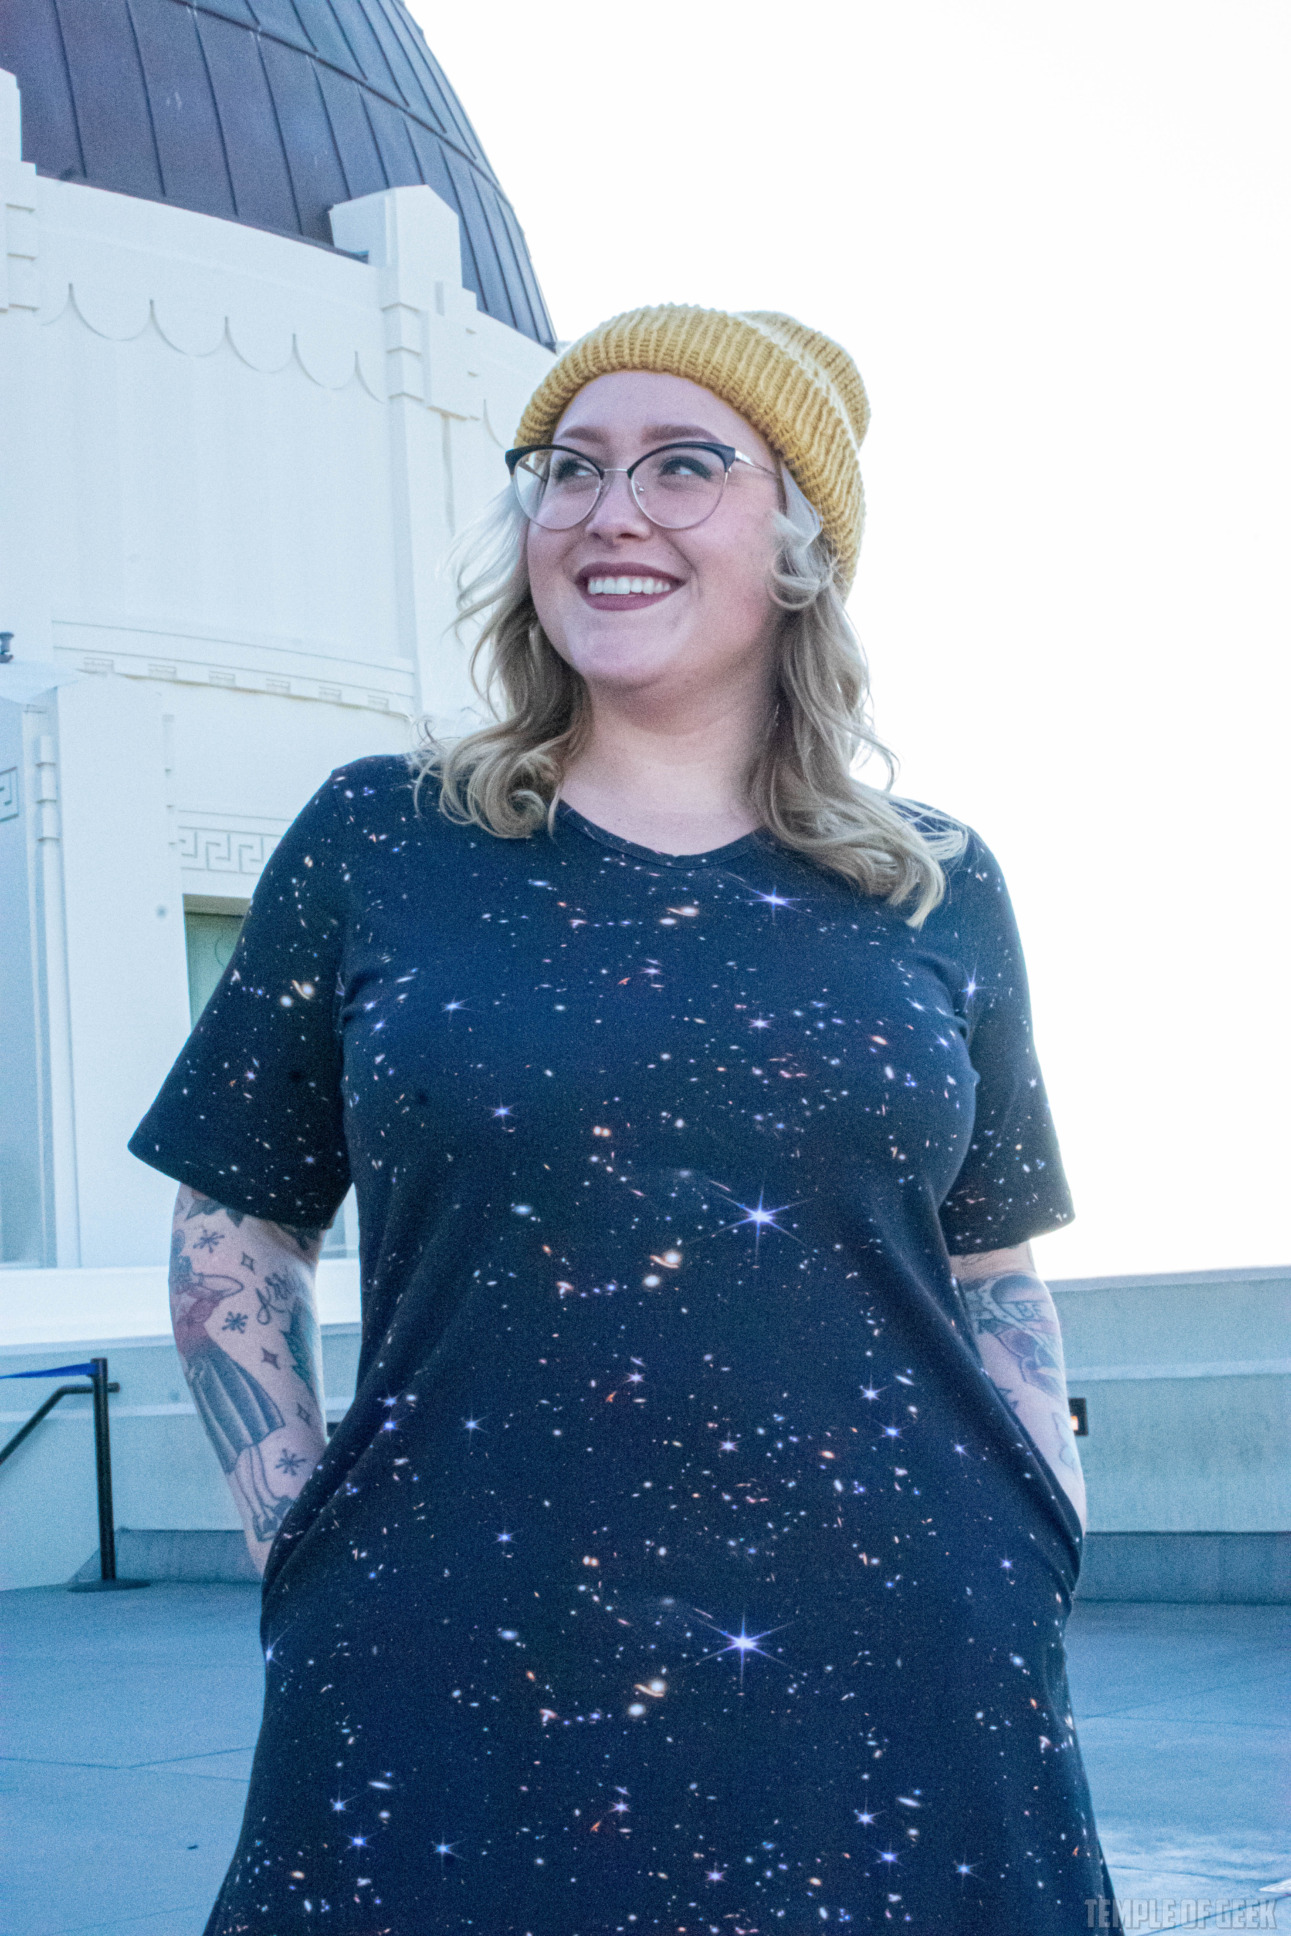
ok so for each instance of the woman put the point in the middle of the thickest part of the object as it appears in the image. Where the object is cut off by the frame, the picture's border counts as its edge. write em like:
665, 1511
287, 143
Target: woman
697, 1550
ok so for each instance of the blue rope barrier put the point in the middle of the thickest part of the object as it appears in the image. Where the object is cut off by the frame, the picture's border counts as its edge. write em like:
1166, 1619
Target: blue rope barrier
53, 1371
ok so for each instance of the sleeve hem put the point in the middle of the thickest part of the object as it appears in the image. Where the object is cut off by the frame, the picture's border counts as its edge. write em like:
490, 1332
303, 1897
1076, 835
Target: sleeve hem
236, 1193
1007, 1235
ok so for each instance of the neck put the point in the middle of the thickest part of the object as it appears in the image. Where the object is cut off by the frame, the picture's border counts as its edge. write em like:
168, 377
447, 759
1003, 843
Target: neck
672, 775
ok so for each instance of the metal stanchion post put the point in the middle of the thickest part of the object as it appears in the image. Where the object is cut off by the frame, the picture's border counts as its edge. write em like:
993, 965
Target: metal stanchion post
107, 1581
103, 1472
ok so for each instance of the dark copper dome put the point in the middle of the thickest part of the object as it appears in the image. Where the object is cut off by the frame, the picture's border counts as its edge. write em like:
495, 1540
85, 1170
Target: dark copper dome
265, 112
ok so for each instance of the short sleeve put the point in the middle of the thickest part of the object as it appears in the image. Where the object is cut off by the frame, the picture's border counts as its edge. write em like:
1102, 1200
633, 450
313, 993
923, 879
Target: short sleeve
251, 1115
1011, 1186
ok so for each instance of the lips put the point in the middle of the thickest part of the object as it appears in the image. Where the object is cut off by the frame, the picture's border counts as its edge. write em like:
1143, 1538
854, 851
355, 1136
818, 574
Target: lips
624, 591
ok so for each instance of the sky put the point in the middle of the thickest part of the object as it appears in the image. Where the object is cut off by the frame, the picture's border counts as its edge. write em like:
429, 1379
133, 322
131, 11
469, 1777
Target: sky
1054, 238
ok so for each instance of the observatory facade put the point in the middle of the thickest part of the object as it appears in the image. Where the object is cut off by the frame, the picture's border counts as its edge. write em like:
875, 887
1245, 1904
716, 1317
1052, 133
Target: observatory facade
267, 322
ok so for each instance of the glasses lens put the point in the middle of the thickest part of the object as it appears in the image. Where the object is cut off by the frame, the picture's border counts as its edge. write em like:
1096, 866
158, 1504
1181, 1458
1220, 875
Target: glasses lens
556, 488
679, 486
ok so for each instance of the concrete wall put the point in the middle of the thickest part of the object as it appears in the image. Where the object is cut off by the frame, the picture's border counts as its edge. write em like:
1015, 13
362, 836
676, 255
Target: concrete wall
164, 1472
1188, 1458
1187, 1383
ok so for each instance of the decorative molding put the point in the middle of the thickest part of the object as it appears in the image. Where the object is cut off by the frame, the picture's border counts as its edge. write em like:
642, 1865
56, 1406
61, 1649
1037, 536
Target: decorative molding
332, 360
291, 652
19, 233
238, 679
398, 325
224, 850
9, 796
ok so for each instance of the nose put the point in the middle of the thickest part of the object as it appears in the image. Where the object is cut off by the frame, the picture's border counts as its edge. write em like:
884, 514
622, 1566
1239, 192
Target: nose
617, 513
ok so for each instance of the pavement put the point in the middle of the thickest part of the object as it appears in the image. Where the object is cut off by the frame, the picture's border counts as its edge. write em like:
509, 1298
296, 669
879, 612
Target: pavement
130, 1720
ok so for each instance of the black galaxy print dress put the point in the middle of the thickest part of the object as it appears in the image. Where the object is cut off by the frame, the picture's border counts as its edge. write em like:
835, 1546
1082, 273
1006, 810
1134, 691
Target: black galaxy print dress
677, 1567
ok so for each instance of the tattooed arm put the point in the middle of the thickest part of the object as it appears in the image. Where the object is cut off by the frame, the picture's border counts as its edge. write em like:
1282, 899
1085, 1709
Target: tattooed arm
242, 1305
1016, 1328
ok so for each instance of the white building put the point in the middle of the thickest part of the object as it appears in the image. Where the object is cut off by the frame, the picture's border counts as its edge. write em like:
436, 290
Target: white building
242, 412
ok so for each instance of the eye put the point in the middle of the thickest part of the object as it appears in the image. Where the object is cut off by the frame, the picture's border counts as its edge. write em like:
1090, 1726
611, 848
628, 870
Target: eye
683, 464
569, 469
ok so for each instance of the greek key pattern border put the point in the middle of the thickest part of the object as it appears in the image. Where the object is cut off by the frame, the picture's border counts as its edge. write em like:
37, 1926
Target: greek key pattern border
221, 850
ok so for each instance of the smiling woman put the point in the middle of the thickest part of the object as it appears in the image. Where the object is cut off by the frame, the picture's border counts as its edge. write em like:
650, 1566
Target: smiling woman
697, 1550
747, 643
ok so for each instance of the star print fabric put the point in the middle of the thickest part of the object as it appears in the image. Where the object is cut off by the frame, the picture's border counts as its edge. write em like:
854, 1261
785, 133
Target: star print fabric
676, 1567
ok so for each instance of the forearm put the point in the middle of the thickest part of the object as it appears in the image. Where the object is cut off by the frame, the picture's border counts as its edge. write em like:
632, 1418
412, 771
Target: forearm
242, 1305
1015, 1325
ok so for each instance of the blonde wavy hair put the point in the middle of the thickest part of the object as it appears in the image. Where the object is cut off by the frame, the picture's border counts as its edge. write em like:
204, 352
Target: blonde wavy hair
506, 778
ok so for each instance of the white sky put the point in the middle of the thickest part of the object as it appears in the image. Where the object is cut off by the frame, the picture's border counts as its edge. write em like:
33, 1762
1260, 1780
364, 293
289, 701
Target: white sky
1055, 239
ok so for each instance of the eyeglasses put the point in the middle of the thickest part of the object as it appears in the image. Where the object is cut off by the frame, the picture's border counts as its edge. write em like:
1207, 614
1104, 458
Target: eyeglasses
676, 486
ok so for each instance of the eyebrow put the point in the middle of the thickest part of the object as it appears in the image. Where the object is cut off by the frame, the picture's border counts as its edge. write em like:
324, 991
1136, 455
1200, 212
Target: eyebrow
654, 433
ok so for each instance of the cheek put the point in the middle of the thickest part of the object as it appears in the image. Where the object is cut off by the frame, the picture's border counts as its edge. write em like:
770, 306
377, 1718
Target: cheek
537, 554
737, 577
543, 553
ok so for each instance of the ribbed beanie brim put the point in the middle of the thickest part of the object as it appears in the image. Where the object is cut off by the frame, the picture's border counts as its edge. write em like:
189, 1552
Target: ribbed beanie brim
799, 389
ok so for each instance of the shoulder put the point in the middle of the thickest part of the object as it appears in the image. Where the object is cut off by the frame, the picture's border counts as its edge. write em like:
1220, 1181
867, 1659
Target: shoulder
377, 783
361, 802
963, 853
368, 798
974, 878
974, 873
379, 808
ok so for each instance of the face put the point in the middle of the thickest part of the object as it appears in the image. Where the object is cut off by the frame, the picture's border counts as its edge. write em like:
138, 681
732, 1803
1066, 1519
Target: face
706, 617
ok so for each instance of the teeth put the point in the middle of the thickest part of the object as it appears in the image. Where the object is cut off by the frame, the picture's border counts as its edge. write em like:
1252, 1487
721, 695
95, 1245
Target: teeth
624, 587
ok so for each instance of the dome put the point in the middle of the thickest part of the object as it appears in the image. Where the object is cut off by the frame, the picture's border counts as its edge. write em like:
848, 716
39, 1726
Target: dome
265, 112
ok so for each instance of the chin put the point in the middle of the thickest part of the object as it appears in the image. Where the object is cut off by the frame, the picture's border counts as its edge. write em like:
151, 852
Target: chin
627, 675
619, 661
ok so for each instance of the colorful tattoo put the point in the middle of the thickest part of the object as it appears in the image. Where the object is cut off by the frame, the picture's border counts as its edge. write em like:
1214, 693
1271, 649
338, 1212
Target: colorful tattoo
1012, 1308
237, 1411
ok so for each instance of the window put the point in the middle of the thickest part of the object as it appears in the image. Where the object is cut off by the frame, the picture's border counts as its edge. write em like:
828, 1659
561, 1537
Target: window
210, 939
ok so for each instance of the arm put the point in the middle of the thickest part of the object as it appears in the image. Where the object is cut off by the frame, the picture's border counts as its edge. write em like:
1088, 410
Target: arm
1016, 1328
242, 1305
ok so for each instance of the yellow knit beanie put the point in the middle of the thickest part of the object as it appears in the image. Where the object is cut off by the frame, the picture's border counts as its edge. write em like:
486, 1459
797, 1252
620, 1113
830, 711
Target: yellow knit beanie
801, 391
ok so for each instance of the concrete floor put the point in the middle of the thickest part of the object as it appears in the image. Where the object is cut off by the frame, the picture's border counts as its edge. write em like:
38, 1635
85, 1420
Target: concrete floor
130, 1720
